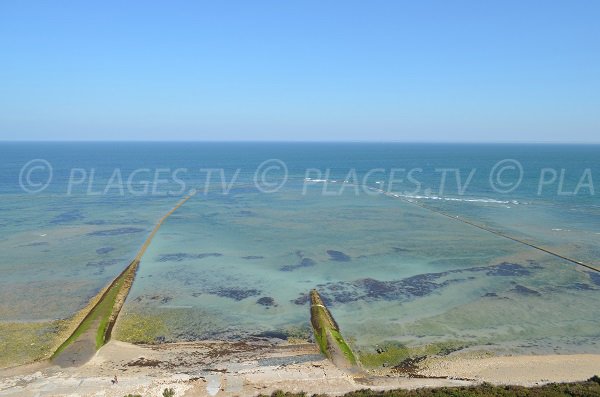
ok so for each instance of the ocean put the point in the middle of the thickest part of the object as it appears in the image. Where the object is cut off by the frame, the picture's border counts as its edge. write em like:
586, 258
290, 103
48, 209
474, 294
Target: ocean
407, 243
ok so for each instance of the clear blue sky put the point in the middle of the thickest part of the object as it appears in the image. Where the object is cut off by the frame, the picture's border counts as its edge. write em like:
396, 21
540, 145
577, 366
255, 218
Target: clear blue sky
300, 70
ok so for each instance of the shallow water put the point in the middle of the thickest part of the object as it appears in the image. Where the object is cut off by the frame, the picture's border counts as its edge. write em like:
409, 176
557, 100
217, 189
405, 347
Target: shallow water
239, 265
389, 271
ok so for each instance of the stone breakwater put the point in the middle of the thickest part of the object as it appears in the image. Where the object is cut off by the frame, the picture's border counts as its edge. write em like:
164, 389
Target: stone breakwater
99, 316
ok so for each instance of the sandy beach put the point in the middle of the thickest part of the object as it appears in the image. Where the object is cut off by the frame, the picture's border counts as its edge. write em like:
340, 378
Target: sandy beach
245, 369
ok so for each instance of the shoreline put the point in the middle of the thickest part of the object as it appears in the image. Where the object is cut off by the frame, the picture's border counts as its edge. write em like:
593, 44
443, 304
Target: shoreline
239, 368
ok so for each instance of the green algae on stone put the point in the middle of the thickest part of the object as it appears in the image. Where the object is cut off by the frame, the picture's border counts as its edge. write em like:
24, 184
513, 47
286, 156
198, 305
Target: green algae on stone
140, 328
327, 334
391, 354
25, 342
388, 354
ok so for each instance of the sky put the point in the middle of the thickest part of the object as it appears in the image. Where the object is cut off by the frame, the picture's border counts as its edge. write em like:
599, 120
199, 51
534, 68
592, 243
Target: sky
424, 71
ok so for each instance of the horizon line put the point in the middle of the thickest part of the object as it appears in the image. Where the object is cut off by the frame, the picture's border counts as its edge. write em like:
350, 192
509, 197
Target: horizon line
299, 141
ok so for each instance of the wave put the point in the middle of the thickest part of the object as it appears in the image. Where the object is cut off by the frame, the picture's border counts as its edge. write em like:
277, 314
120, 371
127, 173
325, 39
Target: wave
468, 200
423, 197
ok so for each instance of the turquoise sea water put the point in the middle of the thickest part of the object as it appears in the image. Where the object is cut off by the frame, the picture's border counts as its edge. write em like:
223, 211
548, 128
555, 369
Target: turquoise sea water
238, 264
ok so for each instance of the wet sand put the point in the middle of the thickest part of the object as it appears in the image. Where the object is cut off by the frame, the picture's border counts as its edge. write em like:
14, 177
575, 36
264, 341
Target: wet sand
228, 369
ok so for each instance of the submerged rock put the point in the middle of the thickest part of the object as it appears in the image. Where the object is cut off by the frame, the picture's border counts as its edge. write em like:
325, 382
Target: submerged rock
181, 256
104, 250
116, 232
266, 301
338, 256
103, 263
508, 269
36, 244
408, 288
595, 277
159, 298
490, 295
522, 290
234, 293
582, 287
304, 262
69, 216
272, 335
